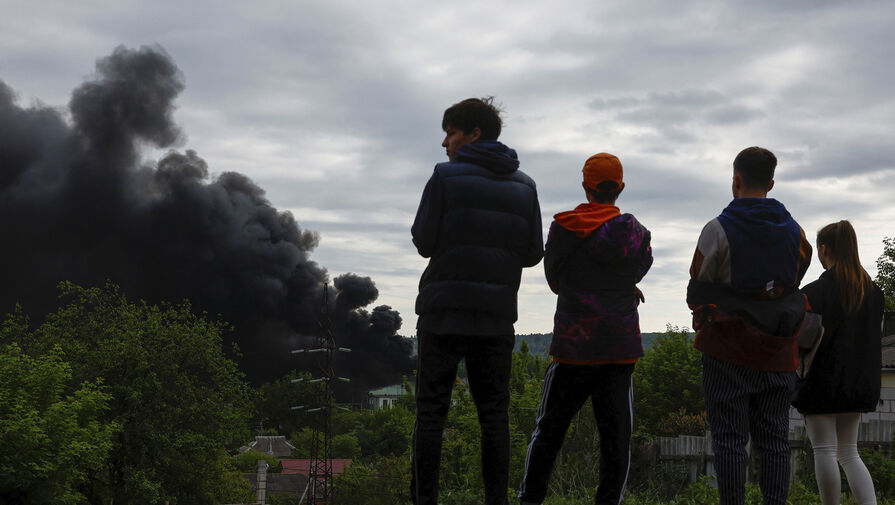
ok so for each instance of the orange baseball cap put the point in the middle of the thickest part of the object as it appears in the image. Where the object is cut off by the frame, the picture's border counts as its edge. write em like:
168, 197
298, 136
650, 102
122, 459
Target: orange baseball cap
600, 168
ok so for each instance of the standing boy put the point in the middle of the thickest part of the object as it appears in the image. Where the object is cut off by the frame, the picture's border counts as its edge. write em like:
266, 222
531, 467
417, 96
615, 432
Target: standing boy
594, 258
744, 284
479, 222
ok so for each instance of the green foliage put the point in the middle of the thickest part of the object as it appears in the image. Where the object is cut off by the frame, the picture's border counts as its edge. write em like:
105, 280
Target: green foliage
461, 448
538, 344
177, 400
303, 441
800, 494
668, 379
51, 437
885, 272
273, 402
346, 446
698, 493
682, 423
283, 499
461, 497
882, 471
376, 481
385, 432
578, 463
657, 482
526, 381
247, 462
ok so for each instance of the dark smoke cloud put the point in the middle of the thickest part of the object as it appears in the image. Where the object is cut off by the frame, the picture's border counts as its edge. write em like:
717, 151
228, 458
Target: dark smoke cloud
77, 203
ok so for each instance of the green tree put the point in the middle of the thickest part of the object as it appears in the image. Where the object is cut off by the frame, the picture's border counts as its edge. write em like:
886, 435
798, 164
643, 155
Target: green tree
885, 272
386, 432
179, 402
247, 462
668, 380
274, 402
376, 481
51, 439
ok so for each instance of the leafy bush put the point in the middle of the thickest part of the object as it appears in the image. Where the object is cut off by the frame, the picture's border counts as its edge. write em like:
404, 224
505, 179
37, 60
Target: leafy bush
283, 499
668, 378
52, 433
882, 471
681, 422
247, 462
378, 481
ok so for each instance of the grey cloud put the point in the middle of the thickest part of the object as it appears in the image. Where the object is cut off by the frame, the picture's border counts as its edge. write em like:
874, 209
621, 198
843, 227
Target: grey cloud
688, 105
732, 114
840, 158
623, 102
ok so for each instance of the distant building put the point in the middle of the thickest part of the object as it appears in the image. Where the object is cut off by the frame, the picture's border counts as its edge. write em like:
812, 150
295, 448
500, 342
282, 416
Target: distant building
386, 397
303, 466
290, 477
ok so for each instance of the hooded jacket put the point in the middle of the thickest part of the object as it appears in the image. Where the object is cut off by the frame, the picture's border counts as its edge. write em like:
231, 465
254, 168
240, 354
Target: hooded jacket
479, 223
743, 290
594, 258
846, 371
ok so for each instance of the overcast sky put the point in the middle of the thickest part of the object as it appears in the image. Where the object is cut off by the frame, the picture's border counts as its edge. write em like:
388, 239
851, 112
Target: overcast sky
335, 109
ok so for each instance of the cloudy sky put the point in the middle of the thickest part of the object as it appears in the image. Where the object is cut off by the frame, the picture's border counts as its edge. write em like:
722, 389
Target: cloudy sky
335, 107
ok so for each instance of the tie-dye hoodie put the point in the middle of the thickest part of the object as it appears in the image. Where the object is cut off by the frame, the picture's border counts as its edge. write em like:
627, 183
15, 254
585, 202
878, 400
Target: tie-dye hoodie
593, 259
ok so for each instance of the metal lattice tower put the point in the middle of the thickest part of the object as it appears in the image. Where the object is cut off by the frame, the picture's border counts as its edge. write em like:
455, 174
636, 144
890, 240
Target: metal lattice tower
320, 478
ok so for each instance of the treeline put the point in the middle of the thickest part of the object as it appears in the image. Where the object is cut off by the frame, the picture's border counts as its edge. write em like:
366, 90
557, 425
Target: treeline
539, 343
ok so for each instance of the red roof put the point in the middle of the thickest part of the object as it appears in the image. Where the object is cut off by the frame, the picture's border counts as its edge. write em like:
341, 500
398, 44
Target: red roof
303, 466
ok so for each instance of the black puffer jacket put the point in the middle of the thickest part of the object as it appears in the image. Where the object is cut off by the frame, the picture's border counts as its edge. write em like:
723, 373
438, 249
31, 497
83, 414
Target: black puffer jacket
845, 374
479, 222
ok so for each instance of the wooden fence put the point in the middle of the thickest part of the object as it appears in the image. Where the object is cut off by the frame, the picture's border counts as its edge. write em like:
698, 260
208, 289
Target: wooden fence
695, 452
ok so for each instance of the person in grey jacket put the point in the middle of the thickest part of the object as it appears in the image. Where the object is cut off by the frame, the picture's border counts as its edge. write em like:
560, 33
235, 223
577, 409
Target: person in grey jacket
844, 378
479, 223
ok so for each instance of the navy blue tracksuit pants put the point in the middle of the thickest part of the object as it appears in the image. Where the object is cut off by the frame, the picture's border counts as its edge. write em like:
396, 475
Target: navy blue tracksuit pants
566, 388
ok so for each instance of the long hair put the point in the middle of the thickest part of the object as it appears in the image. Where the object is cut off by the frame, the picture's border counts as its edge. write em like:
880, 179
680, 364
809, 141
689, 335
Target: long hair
852, 281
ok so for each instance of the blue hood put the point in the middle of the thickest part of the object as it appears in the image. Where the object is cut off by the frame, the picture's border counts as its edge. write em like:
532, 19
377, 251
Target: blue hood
764, 244
490, 154
763, 220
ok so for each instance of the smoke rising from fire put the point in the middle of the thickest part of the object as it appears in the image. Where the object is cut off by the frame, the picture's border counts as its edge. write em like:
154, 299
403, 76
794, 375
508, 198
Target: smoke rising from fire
78, 203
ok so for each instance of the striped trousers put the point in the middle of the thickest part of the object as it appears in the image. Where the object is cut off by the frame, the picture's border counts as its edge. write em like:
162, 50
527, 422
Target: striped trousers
741, 402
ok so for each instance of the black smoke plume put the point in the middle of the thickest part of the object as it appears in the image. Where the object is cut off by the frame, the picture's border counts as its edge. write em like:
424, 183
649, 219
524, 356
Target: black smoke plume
78, 203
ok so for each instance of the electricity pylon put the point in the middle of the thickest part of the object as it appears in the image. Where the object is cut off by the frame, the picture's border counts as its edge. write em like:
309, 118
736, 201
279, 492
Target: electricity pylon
320, 478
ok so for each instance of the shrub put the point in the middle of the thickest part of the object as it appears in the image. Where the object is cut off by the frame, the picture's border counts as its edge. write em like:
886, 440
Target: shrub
247, 462
682, 423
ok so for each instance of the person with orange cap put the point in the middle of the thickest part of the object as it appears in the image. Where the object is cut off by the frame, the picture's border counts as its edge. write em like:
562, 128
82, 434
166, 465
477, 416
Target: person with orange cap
593, 259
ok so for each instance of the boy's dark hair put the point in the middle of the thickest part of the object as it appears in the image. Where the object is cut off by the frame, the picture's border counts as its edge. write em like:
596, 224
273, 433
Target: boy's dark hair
604, 196
756, 166
474, 113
